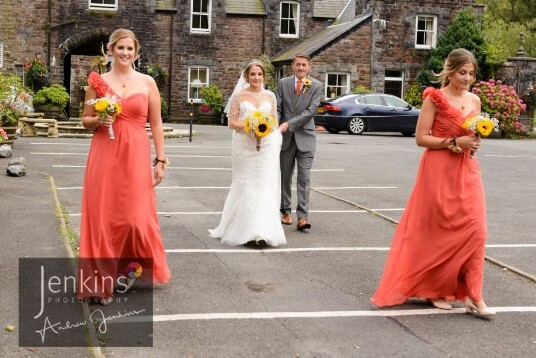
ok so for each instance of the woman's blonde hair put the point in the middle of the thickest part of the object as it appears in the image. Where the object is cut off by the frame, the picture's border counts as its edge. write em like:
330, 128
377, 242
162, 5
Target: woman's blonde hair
250, 66
121, 34
456, 59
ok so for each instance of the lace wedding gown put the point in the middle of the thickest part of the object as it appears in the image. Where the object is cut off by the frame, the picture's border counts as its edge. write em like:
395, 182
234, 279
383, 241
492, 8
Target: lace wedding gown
251, 210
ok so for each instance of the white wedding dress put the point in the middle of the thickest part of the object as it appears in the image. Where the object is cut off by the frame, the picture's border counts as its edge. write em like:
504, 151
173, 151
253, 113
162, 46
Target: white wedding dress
251, 210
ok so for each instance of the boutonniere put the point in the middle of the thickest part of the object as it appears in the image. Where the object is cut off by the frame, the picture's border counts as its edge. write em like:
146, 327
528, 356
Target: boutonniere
306, 84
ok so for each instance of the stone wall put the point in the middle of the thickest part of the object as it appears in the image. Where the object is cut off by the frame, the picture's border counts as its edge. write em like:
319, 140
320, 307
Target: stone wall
350, 54
393, 39
21, 32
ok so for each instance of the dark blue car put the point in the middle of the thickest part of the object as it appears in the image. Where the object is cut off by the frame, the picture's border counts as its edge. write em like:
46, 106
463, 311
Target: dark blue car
367, 112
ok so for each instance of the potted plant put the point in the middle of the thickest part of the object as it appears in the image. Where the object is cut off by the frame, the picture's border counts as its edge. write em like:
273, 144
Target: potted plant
15, 100
158, 72
51, 101
37, 73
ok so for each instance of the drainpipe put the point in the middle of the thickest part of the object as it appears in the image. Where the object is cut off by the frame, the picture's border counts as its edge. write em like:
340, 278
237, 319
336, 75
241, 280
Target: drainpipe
49, 30
170, 62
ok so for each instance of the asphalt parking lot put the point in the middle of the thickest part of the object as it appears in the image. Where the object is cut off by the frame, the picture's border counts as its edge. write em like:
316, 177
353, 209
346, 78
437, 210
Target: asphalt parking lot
309, 298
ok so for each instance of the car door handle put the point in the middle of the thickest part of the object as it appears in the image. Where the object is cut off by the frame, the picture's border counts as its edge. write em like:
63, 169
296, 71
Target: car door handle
392, 110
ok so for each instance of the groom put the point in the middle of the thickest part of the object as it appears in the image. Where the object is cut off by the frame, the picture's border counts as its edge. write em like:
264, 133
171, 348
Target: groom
298, 96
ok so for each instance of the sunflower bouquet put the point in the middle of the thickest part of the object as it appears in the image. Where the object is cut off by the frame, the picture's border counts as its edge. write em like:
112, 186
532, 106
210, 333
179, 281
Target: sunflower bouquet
107, 106
482, 124
259, 124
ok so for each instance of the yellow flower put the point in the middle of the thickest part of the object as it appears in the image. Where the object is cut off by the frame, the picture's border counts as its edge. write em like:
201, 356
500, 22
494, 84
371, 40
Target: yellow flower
307, 82
484, 128
247, 125
262, 129
101, 105
257, 114
118, 109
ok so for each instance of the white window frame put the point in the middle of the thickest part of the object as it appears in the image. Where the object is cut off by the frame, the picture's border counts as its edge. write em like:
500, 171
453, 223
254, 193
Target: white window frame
396, 79
1, 54
345, 89
201, 85
427, 31
95, 6
208, 14
296, 19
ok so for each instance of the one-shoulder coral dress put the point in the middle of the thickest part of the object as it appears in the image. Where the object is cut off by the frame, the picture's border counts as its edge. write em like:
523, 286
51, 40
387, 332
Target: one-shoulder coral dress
119, 218
438, 247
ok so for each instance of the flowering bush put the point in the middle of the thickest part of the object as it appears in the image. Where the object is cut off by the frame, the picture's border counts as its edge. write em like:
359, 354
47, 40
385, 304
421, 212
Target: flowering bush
15, 99
212, 98
3, 134
37, 72
501, 102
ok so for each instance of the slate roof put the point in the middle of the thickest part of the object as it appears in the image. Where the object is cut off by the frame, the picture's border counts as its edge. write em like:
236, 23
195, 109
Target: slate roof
329, 9
319, 40
245, 7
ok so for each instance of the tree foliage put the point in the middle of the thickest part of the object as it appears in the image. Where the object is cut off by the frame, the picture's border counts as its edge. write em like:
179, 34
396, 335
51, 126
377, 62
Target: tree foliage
503, 22
520, 11
269, 77
463, 32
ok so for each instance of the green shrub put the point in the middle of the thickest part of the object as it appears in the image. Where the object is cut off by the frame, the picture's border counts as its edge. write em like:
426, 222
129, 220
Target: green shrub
361, 89
53, 95
414, 95
212, 98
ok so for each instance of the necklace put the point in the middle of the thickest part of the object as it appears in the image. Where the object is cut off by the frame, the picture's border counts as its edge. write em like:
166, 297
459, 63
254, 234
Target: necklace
463, 97
123, 83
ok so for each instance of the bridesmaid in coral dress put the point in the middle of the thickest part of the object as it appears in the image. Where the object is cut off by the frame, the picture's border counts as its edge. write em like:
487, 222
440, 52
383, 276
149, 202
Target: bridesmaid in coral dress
119, 218
437, 251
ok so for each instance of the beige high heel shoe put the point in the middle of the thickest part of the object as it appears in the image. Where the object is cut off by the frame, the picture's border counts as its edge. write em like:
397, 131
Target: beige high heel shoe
471, 308
440, 303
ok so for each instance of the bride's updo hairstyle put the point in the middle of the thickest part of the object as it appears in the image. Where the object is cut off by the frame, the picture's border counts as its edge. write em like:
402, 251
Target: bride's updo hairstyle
121, 34
250, 65
456, 59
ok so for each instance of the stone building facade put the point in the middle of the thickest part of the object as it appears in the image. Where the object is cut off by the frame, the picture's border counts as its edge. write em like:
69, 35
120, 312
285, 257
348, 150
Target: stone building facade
353, 42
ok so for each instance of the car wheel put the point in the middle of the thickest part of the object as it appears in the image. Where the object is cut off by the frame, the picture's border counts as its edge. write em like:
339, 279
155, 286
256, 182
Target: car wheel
356, 125
407, 134
332, 130
223, 118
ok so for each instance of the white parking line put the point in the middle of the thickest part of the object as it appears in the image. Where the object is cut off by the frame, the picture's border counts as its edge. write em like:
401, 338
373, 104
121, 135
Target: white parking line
195, 168
219, 212
307, 249
169, 155
316, 314
228, 187
508, 156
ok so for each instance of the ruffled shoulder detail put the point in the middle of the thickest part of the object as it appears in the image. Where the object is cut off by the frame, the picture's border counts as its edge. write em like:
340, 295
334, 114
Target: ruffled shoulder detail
97, 82
441, 103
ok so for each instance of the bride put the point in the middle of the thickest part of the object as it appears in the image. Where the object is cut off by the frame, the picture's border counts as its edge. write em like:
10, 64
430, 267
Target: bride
251, 211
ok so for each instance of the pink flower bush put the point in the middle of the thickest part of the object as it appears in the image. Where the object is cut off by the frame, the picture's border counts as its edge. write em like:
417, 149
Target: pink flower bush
502, 102
204, 108
3, 135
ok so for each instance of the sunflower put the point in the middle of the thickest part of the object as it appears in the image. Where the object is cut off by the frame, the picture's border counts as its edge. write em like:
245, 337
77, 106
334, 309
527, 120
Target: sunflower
485, 127
469, 122
257, 115
262, 129
307, 82
118, 108
101, 105
247, 125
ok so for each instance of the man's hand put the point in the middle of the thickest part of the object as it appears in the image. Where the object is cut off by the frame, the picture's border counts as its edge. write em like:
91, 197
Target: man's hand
283, 127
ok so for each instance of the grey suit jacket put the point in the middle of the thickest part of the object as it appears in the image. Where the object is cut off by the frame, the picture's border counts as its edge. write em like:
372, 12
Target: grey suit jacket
298, 111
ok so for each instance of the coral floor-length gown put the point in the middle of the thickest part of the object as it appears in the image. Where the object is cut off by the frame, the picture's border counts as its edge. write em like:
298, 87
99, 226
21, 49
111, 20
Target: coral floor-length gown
438, 247
119, 218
